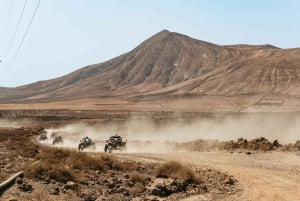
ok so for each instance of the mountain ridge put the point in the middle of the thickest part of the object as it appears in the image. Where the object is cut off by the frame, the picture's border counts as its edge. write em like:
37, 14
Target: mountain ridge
175, 65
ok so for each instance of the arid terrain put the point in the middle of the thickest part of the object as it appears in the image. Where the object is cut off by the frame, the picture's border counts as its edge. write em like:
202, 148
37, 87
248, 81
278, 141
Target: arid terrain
173, 72
253, 169
201, 121
262, 176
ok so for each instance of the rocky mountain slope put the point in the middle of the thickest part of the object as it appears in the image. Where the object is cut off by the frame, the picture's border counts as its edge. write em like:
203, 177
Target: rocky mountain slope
169, 65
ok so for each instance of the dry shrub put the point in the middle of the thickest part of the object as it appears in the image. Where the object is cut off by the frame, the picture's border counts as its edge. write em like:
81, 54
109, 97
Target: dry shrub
60, 164
139, 178
54, 155
62, 174
291, 146
114, 164
74, 159
175, 170
47, 171
18, 142
140, 181
297, 145
137, 188
82, 161
287, 147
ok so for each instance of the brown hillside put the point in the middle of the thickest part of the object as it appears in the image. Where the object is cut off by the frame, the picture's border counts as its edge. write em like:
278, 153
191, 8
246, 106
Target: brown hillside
169, 65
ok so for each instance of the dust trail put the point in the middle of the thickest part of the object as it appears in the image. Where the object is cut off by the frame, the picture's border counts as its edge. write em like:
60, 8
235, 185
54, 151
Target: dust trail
147, 135
13, 123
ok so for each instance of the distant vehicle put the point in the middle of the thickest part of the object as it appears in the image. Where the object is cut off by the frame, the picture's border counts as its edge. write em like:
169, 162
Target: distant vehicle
57, 140
114, 143
43, 136
85, 143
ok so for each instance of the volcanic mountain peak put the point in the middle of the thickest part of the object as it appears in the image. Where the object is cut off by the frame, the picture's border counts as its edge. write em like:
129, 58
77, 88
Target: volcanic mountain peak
170, 63
166, 34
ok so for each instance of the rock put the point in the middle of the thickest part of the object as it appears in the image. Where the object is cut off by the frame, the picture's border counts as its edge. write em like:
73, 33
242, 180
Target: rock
126, 176
157, 192
88, 196
19, 180
71, 185
55, 191
25, 187
165, 187
111, 184
126, 193
229, 181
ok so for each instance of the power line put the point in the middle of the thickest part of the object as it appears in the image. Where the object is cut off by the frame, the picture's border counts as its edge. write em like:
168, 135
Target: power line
26, 32
7, 19
1, 11
17, 27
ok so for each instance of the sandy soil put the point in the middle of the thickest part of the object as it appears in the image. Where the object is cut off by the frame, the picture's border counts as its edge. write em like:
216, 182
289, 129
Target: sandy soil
262, 176
255, 103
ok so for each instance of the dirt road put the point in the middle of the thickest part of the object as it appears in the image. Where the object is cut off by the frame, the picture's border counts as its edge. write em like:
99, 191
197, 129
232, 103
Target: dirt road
262, 176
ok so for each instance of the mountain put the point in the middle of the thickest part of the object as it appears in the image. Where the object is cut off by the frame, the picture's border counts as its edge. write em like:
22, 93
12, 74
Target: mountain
172, 65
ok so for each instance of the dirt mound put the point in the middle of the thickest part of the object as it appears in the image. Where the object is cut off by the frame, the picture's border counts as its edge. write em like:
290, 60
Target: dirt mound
261, 144
258, 144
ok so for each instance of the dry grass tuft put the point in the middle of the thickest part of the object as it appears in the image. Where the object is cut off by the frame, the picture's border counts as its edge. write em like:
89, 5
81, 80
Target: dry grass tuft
47, 171
137, 188
114, 164
139, 178
139, 182
175, 170
18, 142
60, 165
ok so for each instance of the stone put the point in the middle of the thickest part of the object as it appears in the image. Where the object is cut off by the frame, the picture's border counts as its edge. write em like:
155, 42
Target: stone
229, 181
19, 180
25, 187
55, 191
71, 185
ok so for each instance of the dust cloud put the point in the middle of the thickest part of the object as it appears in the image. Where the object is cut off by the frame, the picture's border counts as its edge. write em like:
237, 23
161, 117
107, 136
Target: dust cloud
13, 123
147, 135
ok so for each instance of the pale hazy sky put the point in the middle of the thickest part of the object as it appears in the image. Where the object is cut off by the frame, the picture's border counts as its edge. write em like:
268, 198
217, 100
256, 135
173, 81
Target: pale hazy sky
70, 34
